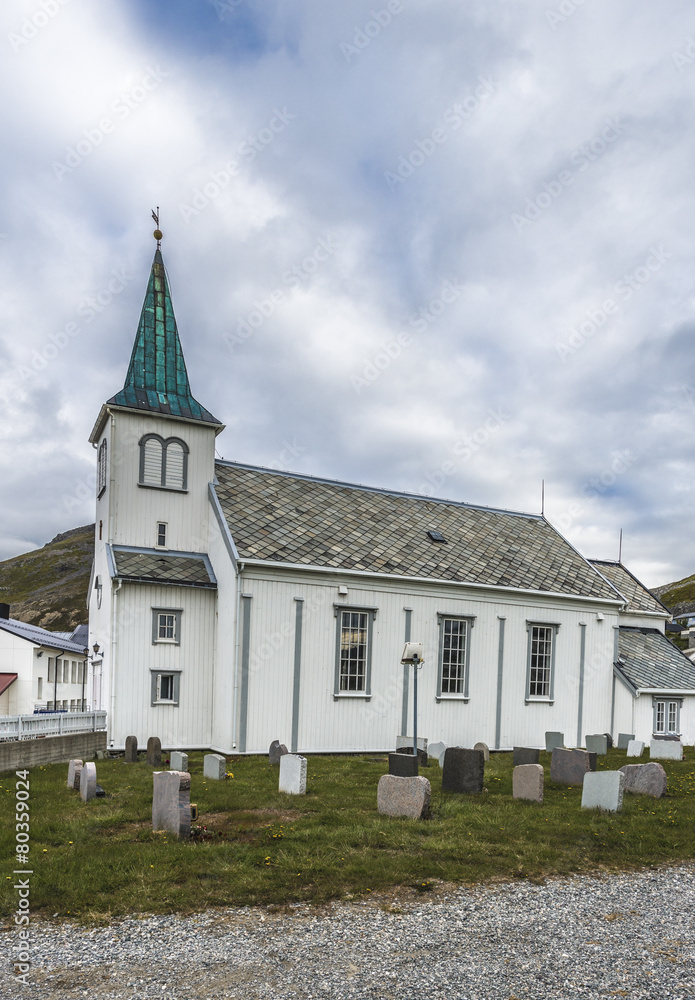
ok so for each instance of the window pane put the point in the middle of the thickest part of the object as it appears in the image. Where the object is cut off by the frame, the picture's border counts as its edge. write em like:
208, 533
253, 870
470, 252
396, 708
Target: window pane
161, 534
660, 717
166, 687
453, 656
152, 464
541, 660
353, 651
174, 468
167, 628
672, 717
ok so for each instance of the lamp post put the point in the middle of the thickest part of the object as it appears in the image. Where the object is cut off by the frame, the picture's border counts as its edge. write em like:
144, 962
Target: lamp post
412, 653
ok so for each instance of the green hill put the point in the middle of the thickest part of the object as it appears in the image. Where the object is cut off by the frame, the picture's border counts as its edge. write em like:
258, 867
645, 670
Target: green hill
48, 586
678, 597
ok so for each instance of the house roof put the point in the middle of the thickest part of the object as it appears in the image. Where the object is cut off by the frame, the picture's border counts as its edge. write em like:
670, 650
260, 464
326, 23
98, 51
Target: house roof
6, 680
41, 636
649, 660
298, 519
157, 379
184, 569
636, 594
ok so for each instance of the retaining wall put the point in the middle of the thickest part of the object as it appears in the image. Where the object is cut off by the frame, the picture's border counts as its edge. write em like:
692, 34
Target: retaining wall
18, 754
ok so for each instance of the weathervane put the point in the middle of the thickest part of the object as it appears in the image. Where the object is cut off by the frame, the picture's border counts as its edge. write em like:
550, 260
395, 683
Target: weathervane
158, 232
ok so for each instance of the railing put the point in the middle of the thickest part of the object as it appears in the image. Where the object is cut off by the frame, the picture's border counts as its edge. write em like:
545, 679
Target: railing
28, 727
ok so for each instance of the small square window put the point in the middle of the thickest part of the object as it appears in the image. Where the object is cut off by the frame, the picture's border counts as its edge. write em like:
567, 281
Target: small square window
161, 534
166, 625
165, 687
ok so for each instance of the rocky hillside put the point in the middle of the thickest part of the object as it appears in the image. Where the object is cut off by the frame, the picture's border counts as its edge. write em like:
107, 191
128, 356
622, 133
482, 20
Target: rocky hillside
678, 597
48, 586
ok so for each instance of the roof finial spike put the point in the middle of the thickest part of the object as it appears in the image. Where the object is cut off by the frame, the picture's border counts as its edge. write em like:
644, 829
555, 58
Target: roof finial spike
620, 547
158, 232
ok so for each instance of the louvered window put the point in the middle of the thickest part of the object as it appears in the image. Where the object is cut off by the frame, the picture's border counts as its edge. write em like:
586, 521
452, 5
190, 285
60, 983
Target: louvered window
163, 463
151, 459
175, 461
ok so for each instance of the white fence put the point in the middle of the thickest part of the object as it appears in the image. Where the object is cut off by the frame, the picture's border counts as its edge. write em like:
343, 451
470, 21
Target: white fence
27, 727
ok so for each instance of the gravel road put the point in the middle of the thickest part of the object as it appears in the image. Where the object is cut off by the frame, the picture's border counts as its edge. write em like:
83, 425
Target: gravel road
630, 935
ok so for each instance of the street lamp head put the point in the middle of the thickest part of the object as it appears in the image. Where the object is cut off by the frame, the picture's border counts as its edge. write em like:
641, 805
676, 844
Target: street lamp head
412, 653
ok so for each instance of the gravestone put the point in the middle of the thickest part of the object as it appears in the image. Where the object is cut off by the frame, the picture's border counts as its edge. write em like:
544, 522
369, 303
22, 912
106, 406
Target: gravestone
292, 774
635, 748
178, 761
597, 743
171, 802
463, 771
214, 766
154, 751
99, 792
276, 751
624, 739
422, 757
485, 750
131, 749
403, 765
408, 797
74, 768
592, 760
553, 740
609, 740
88, 781
527, 782
407, 741
525, 755
603, 790
568, 767
666, 750
645, 779
436, 750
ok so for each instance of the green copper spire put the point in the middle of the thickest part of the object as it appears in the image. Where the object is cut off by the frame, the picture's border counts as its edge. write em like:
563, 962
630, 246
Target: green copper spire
157, 379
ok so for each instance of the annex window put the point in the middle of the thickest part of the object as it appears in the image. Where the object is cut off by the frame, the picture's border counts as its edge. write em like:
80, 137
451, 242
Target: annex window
161, 533
454, 655
51, 669
166, 625
80, 672
165, 687
73, 674
101, 469
540, 668
39, 693
353, 659
163, 463
667, 716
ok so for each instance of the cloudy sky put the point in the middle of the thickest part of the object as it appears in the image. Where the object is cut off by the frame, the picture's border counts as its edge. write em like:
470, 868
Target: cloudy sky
423, 244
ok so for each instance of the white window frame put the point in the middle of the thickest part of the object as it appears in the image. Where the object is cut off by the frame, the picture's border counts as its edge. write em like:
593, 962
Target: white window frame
665, 708
101, 469
157, 614
164, 481
162, 528
464, 659
156, 687
552, 628
341, 676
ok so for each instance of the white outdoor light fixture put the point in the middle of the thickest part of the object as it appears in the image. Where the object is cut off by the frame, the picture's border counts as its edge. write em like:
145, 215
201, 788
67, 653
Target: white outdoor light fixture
412, 654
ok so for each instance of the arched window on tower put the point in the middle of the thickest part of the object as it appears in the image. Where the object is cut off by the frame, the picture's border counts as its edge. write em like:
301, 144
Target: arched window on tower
163, 463
101, 469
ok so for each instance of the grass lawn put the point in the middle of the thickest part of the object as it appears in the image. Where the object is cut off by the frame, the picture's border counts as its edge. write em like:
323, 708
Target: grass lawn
253, 845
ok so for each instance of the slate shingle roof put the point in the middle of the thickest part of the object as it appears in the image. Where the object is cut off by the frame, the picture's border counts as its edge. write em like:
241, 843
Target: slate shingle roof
155, 566
41, 636
298, 519
639, 598
649, 660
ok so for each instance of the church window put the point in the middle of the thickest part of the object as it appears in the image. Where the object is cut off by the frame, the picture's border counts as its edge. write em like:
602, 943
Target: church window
353, 651
166, 685
540, 663
101, 469
454, 655
161, 533
667, 716
163, 463
166, 626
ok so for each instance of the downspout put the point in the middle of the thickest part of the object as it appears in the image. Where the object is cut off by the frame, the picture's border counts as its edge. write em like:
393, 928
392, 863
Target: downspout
55, 682
113, 658
237, 640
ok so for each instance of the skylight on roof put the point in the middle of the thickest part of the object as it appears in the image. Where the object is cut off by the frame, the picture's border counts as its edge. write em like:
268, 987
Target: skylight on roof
436, 536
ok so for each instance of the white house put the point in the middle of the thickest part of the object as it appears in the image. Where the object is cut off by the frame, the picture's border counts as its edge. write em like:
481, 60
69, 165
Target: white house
232, 605
40, 670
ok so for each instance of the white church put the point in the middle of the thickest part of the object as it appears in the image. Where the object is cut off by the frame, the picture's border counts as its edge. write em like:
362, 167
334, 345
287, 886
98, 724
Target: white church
231, 605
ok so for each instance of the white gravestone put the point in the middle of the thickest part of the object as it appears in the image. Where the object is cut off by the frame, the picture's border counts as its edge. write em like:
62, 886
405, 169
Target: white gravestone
635, 748
666, 750
214, 766
171, 802
437, 750
485, 749
178, 761
74, 768
292, 774
88, 781
407, 741
603, 790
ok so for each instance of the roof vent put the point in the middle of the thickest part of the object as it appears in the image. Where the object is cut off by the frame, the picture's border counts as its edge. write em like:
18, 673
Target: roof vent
436, 536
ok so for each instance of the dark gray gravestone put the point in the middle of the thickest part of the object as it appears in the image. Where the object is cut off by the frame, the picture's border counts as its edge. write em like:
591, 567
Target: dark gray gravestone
645, 779
568, 767
154, 751
131, 749
421, 755
99, 791
525, 755
598, 743
463, 770
609, 740
592, 760
403, 765
624, 739
276, 751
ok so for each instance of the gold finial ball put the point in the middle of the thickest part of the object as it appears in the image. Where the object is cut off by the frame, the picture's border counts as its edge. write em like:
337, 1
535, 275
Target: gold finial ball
158, 234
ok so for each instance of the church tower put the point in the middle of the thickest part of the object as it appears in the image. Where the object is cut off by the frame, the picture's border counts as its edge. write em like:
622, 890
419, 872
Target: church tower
153, 594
